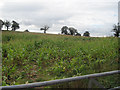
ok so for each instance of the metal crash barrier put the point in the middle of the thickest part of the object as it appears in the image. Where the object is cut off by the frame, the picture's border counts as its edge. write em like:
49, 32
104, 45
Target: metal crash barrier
58, 81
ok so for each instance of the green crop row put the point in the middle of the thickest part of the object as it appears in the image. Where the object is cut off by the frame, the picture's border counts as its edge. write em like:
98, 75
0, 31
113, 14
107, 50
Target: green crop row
31, 57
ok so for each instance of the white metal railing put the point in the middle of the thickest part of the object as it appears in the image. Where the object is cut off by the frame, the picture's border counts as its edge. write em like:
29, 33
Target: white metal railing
58, 81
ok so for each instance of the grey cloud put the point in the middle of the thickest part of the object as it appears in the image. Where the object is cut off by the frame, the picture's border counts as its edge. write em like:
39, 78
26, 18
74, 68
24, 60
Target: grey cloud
13, 7
55, 13
33, 13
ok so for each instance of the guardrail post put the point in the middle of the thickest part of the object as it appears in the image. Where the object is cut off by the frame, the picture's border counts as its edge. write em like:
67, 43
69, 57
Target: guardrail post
93, 81
90, 84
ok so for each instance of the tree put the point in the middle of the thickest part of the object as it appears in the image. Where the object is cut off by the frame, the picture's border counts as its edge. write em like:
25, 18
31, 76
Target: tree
1, 24
45, 28
116, 29
7, 24
15, 25
26, 30
64, 30
72, 31
86, 34
78, 34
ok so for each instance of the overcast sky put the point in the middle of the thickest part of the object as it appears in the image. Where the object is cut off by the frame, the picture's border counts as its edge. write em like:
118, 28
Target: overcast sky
95, 16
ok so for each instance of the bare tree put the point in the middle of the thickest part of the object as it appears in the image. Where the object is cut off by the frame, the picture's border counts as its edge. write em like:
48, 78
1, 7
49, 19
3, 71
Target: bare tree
45, 28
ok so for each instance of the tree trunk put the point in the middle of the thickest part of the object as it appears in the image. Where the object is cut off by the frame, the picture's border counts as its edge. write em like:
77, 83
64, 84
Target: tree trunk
7, 28
44, 31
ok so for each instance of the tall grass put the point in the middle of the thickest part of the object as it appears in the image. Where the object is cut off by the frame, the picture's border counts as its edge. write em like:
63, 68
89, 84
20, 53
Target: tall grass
31, 57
